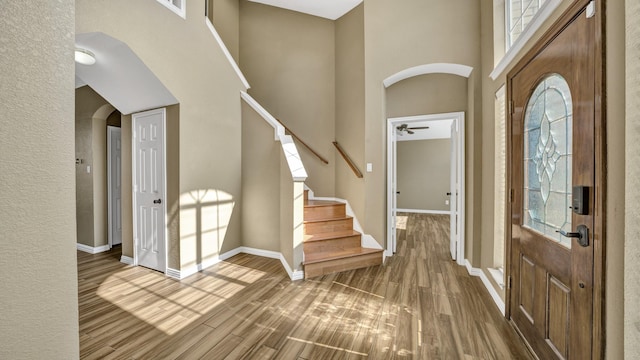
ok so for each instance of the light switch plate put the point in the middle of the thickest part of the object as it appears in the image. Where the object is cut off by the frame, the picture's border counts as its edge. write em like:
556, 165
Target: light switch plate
369, 167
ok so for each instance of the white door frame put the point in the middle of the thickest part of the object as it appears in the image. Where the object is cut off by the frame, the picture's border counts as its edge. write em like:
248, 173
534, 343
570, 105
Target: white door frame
392, 123
164, 229
110, 131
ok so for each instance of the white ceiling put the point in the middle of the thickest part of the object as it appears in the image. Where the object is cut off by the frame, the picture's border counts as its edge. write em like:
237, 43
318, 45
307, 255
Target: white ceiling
120, 76
329, 9
438, 129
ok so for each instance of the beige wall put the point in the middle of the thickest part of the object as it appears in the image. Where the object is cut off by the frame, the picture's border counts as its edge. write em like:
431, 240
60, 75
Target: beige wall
349, 119
226, 20
39, 298
629, 189
90, 140
210, 122
289, 60
84, 152
260, 183
400, 37
427, 94
423, 174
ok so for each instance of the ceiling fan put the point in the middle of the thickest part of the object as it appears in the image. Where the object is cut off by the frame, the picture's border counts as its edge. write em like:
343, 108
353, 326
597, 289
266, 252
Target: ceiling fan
404, 128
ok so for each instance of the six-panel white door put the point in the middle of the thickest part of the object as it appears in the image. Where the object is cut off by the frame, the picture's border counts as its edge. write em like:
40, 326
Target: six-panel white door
149, 188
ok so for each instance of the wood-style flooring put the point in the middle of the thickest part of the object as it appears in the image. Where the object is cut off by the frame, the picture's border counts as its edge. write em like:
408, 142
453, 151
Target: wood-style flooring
419, 305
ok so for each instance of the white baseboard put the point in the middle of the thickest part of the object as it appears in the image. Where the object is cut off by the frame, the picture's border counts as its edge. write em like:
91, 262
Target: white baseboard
418, 211
126, 260
182, 274
173, 273
92, 250
487, 284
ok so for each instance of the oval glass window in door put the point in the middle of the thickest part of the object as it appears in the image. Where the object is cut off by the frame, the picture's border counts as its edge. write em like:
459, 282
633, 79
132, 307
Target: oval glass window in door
547, 159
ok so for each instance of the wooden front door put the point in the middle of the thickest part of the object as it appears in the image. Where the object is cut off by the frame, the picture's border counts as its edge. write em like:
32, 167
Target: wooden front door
552, 164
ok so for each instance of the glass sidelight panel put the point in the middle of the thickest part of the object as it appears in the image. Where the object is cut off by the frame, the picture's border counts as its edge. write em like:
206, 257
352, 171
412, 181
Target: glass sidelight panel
547, 159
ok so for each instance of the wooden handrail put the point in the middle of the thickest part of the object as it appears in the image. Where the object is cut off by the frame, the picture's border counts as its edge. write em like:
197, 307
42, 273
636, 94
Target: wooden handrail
303, 143
350, 162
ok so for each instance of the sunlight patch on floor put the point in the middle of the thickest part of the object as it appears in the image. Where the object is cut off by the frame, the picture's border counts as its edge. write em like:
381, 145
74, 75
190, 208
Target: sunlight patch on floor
326, 346
401, 222
168, 305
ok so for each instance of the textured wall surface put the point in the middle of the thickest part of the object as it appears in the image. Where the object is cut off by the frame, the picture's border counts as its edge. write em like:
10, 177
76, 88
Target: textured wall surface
632, 201
39, 298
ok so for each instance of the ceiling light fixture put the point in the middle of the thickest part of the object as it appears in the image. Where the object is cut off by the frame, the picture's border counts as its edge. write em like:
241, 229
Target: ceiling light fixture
85, 57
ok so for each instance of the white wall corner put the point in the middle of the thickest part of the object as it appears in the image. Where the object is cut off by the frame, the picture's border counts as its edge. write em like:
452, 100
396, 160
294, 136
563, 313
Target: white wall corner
487, 284
126, 260
92, 250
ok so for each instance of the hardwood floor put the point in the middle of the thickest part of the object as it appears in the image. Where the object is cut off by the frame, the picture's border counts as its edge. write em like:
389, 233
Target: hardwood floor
419, 305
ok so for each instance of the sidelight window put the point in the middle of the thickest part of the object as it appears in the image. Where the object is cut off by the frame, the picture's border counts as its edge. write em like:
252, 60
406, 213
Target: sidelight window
177, 6
519, 16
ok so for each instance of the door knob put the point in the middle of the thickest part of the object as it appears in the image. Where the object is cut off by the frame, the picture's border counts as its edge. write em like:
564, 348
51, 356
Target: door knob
159, 201
448, 194
582, 235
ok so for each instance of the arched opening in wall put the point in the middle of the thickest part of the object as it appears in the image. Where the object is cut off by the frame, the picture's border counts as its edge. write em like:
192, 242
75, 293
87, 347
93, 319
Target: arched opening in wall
425, 157
119, 75
94, 117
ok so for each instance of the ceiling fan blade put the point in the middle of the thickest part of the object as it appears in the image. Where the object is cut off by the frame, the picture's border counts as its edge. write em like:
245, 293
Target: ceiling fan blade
410, 132
418, 128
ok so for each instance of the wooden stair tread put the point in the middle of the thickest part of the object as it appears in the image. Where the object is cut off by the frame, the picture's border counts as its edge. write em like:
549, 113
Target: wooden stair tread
317, 203
327, 220
338, 253
330, 235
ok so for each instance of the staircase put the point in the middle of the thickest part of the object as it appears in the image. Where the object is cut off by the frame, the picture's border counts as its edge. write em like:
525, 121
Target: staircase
330, 243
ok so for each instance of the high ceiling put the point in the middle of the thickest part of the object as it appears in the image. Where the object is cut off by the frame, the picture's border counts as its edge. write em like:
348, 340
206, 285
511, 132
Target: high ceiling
330, 9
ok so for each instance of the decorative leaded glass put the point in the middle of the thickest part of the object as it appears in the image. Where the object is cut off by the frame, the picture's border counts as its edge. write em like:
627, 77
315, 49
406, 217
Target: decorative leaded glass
547, 159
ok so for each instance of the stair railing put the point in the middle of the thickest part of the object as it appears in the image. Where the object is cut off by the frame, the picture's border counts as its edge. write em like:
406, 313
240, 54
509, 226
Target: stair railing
350, 162
303, 143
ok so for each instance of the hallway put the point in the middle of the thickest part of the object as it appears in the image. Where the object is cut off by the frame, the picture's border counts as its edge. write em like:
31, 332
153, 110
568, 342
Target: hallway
419, 305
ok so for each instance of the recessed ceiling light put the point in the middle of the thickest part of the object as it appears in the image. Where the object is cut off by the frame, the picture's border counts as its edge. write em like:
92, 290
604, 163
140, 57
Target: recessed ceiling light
85, 57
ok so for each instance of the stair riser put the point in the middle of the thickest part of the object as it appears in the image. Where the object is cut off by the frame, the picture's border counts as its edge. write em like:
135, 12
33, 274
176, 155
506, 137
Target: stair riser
328, 226
332, 266
328, 244
324, 212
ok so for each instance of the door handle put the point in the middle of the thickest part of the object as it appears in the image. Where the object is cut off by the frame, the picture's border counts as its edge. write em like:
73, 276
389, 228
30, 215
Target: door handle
159, 201
448, 194
582, 235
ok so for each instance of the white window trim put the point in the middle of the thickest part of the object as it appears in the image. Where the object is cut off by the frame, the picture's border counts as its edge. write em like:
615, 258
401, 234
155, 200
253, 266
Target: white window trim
539, 18
182, 12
